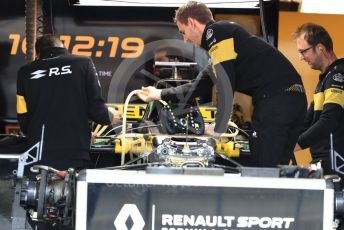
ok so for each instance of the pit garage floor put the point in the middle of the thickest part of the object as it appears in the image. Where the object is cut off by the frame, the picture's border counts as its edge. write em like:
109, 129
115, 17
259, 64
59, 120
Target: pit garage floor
6, 193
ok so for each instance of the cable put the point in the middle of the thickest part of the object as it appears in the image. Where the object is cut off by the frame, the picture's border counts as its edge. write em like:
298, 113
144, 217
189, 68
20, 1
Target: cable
111, 130
230, 160
125, 123
36, 168
133, 166
115, 135
232, 124
225, 167
147, 126
248, 135
131, 129
184, 164
137, 158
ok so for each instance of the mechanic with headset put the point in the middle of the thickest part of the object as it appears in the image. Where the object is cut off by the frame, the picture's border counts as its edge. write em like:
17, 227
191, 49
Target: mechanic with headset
245, 63
62, 92
325, 115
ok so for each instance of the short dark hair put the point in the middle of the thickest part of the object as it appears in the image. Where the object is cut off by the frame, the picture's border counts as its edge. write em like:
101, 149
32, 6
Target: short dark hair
46, 41
195, 10
315, 34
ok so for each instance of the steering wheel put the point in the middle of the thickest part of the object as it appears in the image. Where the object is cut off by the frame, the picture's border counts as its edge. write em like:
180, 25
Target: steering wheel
190, 120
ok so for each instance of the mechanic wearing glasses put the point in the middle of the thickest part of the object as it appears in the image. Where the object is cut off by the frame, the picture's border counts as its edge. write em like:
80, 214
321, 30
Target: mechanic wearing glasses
325, 114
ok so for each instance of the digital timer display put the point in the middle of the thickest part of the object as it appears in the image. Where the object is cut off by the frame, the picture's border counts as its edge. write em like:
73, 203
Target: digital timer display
130, 47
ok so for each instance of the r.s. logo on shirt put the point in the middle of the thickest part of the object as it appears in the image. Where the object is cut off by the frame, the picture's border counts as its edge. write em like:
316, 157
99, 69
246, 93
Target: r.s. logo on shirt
52, 72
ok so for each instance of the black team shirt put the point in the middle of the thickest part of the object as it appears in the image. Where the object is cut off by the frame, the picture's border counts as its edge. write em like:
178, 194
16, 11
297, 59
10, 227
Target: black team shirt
61, 91
325, 114
249, 64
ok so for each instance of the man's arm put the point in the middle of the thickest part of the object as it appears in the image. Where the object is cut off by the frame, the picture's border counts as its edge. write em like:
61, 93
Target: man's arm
185, 92
22, 111
221, 49
309, 117
330, 116
322, 129
196, 88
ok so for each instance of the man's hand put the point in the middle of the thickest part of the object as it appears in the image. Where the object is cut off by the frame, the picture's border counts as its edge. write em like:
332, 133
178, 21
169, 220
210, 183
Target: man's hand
209, 130
297, 147
149, 93
116, 115
93, 137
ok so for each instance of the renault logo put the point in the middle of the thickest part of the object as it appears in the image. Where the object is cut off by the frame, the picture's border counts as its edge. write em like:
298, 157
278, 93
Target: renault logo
129, 210
38, 74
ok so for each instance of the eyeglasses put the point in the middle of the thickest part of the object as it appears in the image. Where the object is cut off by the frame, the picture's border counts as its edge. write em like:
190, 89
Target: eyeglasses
303, 51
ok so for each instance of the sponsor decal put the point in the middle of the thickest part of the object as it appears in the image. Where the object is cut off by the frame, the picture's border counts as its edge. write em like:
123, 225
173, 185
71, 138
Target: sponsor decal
198, 222
337, 86
129, 210
212, 42
337, 91
195, 222
338, 77
209, 34
38, 74
54, 71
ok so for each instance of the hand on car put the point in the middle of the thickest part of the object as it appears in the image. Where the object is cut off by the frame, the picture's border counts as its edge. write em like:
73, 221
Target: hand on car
149, 93
116, 115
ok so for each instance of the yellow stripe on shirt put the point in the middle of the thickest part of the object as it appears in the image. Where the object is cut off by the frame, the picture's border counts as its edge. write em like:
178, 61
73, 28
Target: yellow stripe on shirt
21, 105
318, 101
222, 51
334, 95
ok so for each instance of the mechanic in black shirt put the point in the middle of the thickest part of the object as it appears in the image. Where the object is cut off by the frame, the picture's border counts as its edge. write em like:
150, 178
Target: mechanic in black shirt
247, 64
325, 115
62, 92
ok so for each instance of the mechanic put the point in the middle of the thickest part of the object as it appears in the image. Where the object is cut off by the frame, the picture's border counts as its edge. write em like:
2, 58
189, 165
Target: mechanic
325, 115
247, 64
62, 92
